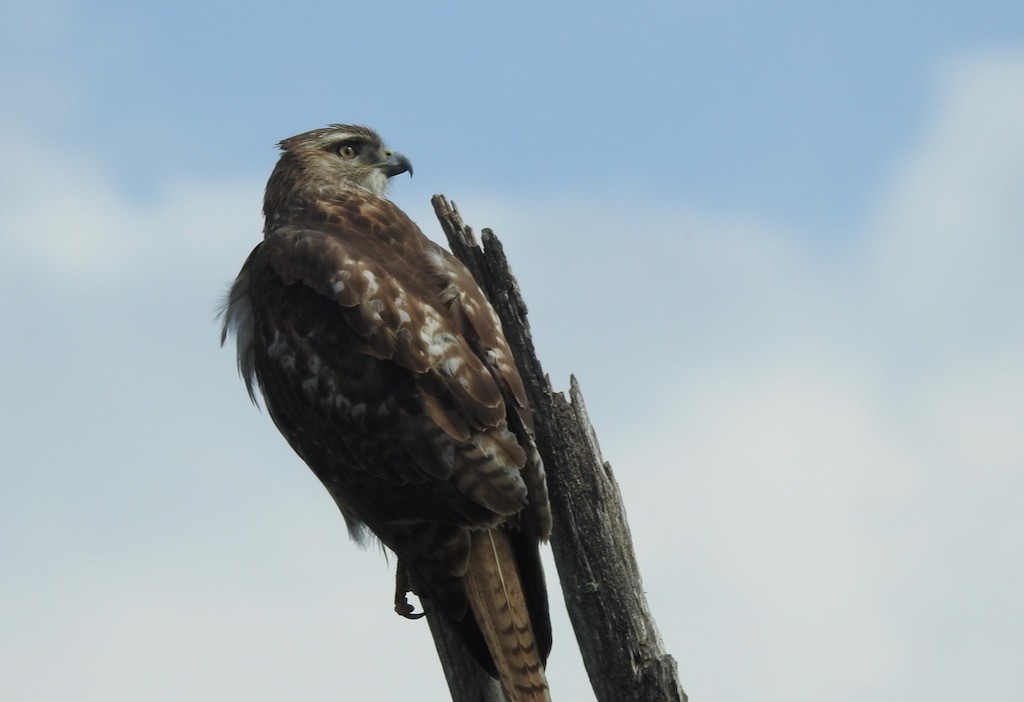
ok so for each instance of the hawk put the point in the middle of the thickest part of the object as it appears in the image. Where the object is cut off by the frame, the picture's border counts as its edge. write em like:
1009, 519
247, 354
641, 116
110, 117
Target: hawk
384, 366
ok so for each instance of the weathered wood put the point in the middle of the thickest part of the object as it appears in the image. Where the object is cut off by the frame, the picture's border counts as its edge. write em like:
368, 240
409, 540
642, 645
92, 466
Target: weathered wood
467, 681
622, 650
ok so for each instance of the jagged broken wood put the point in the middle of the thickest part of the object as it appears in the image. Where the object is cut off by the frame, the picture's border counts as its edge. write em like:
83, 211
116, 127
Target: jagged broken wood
622, 650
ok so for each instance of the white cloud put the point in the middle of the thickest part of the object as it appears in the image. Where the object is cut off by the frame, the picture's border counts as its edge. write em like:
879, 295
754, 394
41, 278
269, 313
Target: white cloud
841, 502
947, 236
68, 218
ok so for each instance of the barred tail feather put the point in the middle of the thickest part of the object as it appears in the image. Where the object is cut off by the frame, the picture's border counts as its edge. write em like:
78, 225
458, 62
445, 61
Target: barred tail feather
499, 605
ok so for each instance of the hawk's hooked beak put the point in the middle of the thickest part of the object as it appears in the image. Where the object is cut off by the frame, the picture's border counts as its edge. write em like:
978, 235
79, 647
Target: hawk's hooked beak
396, 163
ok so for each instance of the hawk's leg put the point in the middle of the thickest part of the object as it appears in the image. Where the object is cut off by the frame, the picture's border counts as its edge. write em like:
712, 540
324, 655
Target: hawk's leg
403, 586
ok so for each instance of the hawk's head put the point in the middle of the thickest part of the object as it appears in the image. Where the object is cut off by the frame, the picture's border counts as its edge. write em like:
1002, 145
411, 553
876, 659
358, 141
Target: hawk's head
326, 161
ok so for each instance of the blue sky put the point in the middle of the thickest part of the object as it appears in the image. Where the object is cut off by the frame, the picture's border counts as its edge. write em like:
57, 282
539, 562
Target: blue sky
780, 247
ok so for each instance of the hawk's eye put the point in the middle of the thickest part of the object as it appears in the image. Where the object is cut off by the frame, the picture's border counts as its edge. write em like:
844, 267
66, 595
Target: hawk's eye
347, 151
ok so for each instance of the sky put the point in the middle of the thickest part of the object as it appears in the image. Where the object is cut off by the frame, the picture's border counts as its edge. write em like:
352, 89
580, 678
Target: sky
780, 248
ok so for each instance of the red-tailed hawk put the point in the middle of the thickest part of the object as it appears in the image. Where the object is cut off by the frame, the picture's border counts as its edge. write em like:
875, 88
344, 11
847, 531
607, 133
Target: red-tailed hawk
386, 369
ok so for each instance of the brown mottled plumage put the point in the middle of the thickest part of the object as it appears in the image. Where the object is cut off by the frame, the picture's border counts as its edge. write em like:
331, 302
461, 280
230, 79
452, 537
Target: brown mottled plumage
385, 368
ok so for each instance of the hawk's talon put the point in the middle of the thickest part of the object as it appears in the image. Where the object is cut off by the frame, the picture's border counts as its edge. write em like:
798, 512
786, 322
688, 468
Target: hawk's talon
402, 589
403, 608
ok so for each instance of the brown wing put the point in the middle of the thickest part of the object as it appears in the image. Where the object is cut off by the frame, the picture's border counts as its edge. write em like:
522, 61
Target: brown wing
482, 329
384, 367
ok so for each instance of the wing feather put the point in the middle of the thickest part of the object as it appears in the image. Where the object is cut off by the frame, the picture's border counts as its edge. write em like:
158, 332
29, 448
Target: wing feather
382, 315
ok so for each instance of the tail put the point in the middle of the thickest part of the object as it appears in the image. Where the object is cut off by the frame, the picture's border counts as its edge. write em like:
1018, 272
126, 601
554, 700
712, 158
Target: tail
496, 596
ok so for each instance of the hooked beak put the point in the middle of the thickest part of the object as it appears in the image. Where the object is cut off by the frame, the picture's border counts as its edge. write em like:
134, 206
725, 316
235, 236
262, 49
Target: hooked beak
396, 163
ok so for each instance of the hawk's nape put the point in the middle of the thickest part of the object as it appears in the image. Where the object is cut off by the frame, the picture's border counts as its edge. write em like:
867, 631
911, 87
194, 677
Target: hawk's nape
386, 369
